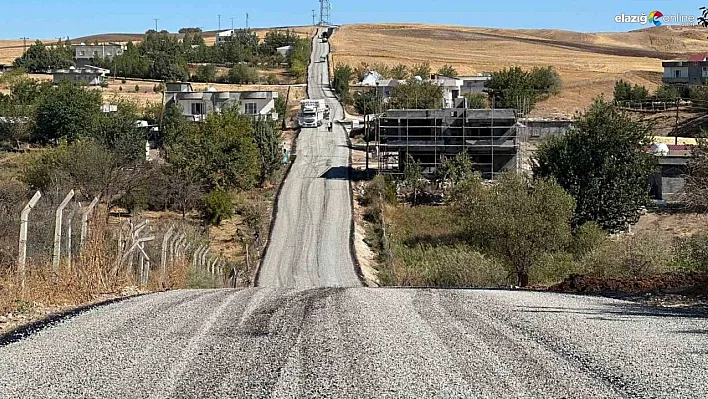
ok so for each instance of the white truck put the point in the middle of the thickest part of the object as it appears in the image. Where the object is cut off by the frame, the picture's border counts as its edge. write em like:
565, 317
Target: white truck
311, 113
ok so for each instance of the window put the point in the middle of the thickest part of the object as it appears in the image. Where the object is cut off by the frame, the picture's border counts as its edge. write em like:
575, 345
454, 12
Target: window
677, 73
197, 109
82, 53
95, 53
250, 108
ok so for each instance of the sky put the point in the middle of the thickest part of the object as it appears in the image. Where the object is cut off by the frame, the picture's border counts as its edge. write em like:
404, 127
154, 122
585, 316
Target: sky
49, 19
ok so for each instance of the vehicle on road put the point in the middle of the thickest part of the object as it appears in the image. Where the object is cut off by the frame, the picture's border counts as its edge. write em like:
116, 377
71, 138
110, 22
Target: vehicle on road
311, 113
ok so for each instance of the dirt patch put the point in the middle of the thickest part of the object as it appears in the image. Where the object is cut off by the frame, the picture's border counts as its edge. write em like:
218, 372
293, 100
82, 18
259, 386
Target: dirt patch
687, 283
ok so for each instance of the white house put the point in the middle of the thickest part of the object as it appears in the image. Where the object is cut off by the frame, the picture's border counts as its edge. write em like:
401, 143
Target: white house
284, 50
84, 53
474, 84
371, 78
90, 75
224, 36
451, 89
196, 105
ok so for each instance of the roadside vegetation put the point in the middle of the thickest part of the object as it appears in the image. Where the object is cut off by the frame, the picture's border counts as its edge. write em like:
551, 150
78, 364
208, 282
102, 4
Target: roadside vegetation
201, 176
569, 219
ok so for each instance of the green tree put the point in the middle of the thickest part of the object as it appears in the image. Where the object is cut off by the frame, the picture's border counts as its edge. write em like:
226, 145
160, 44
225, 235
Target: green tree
222, 152
70, 112
545, 80
216, 207
422, 70
413, 177
343, 74
399, 71
299, 58
366, 102
119, 132
416, 94
447, 70
516, 220
602, 162
477, 100
456, 169
39, 58
242, 74
667, 93
205, 73
269, 141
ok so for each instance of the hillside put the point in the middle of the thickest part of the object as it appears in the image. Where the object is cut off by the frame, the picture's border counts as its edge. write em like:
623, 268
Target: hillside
589, 63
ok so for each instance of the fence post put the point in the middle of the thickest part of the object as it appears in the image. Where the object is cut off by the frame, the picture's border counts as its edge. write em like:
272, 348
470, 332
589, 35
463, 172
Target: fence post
203, 261
163, 254
69, 220
84, 220
24, 221
57, 235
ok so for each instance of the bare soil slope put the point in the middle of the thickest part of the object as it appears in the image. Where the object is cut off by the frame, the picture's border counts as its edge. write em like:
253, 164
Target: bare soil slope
589, 63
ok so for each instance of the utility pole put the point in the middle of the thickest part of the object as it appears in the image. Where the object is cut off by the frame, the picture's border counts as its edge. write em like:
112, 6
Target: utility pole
219, 22
313, 17
232, 23
155, 19
246, 20
24, 42
678, 100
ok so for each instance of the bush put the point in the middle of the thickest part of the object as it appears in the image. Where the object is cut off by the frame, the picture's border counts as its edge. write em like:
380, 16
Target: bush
586, 238
691, 253
448, 266
477, 100
272, 79
447, 70
216, 207
381, 188
640, 255
242, 74
137, 88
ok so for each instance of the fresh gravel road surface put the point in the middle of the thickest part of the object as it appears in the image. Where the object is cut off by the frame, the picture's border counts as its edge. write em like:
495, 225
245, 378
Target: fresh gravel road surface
362, 343
309, 244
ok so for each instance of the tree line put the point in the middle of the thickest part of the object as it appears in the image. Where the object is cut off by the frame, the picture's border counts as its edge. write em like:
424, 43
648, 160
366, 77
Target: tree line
513, 87
164, 56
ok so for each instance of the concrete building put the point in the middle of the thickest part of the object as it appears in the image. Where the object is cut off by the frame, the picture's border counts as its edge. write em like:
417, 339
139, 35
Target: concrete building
488, 137
90, 75
85, 53
693, 72
451, 89
474, 84
667, 183
196, 105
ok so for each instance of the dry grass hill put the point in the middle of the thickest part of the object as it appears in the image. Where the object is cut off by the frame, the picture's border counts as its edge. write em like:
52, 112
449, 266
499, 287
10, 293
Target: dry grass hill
589, 63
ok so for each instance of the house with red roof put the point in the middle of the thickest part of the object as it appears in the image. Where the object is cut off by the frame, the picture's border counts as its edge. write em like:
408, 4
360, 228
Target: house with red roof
692, 72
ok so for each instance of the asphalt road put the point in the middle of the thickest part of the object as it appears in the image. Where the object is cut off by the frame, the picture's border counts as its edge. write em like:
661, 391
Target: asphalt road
362, 343
309, 245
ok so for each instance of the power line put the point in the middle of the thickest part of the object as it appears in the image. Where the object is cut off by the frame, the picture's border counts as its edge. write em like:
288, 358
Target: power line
24, 42
155, 19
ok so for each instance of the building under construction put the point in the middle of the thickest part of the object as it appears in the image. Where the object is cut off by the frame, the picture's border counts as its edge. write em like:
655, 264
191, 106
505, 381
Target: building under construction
487, 136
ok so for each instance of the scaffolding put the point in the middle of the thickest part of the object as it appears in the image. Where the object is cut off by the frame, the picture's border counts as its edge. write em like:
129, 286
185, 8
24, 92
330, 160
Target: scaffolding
488, 137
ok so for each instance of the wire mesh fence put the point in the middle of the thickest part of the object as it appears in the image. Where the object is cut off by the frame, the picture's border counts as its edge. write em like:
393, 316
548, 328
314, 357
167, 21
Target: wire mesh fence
57, 246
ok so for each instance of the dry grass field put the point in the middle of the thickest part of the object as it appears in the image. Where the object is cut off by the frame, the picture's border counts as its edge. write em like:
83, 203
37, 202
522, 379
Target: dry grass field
11, 49
589, 63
